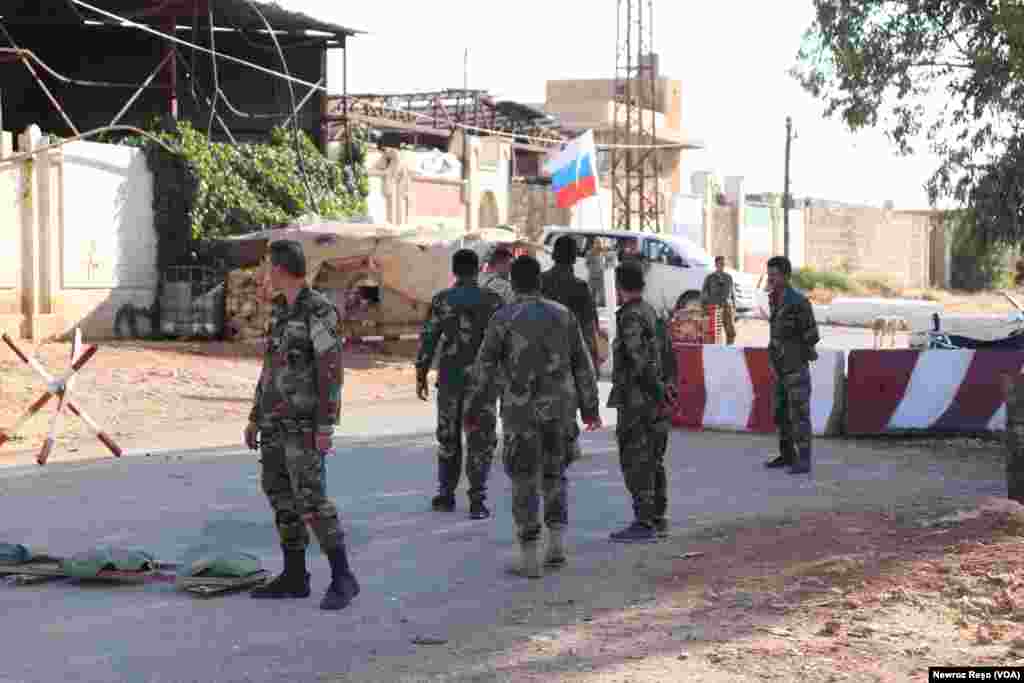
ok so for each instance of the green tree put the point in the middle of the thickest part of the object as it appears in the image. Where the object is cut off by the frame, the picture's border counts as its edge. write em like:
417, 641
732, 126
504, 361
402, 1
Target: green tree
878, 63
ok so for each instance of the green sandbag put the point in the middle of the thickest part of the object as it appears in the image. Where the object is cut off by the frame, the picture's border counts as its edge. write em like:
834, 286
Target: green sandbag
224, 565
14, 553
89, 564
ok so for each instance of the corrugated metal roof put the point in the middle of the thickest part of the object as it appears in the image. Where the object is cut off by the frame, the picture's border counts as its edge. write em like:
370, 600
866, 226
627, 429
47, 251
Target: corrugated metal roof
235, 14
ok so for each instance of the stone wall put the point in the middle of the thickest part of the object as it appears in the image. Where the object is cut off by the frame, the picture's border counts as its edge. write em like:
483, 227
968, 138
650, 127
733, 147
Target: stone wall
890, 245
532, 207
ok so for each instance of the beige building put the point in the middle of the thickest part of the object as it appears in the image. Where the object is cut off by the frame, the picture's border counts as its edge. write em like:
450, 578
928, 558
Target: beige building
585, 104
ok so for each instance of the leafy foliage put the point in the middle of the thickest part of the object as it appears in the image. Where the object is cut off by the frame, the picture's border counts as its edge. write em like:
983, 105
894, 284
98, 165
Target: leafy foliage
975, 264
808, 279
877, 62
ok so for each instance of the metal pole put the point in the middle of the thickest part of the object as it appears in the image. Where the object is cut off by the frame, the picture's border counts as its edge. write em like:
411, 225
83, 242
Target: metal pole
785, 192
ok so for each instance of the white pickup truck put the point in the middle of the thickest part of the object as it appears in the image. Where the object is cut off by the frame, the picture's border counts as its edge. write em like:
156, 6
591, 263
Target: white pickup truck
675, 266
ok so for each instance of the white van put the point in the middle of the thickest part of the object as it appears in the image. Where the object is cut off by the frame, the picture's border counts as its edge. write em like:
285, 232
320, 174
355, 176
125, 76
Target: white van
675, 266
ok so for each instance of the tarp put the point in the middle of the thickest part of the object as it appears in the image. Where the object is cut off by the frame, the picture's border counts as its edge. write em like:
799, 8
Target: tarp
415, 262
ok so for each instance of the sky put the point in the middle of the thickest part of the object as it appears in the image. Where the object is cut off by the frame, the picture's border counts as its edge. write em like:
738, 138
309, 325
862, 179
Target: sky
731, 56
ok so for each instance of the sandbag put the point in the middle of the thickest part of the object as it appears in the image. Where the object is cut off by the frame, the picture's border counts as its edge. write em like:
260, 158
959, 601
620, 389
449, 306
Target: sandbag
14, 553
89, 564
223, 565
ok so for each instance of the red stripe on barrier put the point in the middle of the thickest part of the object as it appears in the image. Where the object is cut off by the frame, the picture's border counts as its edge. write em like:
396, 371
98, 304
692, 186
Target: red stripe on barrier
762, 380
692, 392
980, 393
876, 383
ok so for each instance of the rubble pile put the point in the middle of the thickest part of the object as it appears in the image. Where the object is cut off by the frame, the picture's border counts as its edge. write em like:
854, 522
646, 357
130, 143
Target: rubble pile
246, 314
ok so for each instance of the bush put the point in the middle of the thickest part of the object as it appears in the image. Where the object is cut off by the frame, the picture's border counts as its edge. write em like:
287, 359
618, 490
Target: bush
976, 264
248, 187
808, 279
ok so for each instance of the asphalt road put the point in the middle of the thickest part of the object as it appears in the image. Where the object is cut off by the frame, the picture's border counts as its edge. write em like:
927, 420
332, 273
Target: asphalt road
422, 573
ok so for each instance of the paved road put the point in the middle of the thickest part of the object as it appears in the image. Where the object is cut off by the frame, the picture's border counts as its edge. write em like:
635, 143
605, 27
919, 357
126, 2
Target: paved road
423, 573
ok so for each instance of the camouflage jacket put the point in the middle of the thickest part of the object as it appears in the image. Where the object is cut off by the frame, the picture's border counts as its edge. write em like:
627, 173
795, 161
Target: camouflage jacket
499, 284
535, 345
300, 384
638, 379
456, 320
718, 289
794, 332
560, 284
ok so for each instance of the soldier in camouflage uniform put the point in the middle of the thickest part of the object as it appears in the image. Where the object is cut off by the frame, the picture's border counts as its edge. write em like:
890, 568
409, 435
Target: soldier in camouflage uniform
498, 280
559, 283
456, 321
794, 334
535, 345
296, 408
719, 291
644, 400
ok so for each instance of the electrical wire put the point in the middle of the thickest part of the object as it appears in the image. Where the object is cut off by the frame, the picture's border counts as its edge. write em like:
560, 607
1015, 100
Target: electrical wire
216, 77
86, 135
312, 198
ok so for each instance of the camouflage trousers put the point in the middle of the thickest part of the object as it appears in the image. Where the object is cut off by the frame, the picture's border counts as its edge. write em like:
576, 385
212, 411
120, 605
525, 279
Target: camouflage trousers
535, 461
479, 450
793, 408
643, 443
294, 479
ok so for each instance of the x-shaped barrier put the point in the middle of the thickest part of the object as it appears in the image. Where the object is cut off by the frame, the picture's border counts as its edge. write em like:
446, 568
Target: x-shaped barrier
59, 387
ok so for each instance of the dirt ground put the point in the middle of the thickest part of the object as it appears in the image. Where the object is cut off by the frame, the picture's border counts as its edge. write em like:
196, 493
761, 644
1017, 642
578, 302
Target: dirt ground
842, 596
143, 393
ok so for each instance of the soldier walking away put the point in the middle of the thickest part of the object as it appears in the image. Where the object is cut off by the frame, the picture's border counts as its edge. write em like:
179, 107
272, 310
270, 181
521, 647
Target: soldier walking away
296, 407
794, 334
497, 279
536, 347
720, 291
456, 321
644, 402
559, 283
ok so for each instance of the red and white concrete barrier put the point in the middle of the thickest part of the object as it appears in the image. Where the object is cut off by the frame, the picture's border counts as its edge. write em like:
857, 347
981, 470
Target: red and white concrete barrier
937, 391
730, 388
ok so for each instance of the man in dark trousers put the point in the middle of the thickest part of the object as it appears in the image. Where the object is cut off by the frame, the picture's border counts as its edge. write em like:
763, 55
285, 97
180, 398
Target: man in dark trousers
644, 401
456, 321
559, 283
794, 334
296, 407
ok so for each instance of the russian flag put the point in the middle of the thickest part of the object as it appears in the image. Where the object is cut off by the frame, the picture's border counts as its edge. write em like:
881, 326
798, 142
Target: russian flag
573, 171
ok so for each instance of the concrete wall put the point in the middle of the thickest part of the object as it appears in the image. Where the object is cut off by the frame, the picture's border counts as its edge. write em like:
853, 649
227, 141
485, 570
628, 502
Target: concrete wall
758, 237
78, 232
890, 245
477, 195
532, 207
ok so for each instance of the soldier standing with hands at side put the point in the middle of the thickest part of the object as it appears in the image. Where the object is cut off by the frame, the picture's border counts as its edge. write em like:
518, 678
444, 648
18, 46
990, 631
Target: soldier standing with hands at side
296, 407
719, 291
794, 333
535, 346
644, 401
456, 320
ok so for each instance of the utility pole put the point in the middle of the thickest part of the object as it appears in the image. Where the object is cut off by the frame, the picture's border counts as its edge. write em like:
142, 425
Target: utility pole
785, 191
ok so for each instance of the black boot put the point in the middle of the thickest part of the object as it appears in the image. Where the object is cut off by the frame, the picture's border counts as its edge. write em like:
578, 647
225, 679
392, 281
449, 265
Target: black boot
787, 455
444, 501
802, 465
292, 583
477, 510
344, 586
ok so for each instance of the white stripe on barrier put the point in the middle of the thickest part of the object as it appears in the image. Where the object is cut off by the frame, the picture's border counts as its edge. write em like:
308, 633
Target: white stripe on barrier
998, 421
933, 387
729, 390
826, 390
